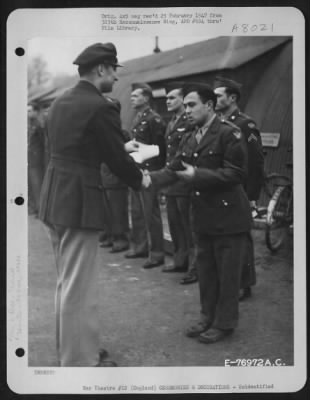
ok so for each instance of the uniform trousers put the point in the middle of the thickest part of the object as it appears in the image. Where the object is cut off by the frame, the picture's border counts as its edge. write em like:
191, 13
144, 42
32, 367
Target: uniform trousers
219, 264
178, 212
118, 225
35, 179
248, 274
76, 299
147, 227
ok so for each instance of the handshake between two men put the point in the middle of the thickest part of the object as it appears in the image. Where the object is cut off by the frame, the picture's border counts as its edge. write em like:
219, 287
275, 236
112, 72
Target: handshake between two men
186, 174
141, 152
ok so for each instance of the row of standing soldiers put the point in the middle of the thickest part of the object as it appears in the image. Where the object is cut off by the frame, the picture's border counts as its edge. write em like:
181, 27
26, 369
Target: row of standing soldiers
147, 229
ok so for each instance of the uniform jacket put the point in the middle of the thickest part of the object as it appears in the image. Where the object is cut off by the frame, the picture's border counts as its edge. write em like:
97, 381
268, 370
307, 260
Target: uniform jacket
150, 129
255, 175
219, 202
110, 180
174, 134
84, 130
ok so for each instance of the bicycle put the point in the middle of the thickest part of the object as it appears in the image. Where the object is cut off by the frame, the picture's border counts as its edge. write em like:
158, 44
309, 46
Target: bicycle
279, 213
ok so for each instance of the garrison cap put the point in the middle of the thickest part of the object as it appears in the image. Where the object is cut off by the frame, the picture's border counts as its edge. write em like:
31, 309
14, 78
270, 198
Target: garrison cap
174, 85
228, 83
98, 53
146, 88
205, 91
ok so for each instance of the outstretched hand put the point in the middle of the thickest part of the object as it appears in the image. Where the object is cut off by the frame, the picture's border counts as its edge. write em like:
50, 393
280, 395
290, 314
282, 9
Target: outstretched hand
188, 173
131, 146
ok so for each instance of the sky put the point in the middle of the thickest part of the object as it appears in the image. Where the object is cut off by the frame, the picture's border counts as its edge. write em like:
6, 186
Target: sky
59, 53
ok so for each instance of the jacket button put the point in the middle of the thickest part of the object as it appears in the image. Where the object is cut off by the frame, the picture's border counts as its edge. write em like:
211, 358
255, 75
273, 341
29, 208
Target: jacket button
197, 193
183, 154
225, 202
195, 155
147, 164
169, 137
210, 152
167, 163
169, 145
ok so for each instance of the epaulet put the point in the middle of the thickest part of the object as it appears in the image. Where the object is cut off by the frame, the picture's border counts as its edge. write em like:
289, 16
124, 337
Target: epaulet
245, 116
231, 124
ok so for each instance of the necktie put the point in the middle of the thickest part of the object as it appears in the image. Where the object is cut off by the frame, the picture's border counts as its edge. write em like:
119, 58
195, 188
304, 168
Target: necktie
136, 119
199, 135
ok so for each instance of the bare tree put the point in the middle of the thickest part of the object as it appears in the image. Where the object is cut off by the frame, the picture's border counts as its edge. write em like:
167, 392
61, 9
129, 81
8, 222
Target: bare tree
37, 72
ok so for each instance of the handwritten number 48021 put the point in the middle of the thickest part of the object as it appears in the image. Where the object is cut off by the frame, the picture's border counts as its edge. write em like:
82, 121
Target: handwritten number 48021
248, 28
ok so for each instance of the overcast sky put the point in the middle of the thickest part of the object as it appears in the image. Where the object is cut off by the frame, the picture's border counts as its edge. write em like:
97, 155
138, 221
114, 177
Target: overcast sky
59, 53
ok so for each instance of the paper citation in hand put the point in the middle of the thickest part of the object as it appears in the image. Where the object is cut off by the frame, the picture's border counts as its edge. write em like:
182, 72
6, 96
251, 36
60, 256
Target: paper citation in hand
145, 152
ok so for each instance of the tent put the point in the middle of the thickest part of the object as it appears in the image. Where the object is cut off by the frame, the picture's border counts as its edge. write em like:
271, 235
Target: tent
263, 64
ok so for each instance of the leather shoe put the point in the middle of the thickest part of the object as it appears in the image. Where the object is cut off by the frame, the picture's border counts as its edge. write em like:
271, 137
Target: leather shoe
133, 254
174, 268
197, 329
118, 249
106, 363
106, 243
246, 293
190, 278
214, 335
152, 264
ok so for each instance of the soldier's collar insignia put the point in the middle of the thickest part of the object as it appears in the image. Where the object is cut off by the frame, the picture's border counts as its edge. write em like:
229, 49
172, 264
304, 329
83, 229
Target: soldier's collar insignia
251, 125
181, 129
233, 117
237, 134
143, 122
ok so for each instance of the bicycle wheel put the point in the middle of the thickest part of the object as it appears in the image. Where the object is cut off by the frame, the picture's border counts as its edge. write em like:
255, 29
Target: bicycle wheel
277, 218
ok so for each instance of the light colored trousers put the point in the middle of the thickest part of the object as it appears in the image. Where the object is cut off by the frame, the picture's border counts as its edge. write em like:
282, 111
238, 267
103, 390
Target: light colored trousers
76, 299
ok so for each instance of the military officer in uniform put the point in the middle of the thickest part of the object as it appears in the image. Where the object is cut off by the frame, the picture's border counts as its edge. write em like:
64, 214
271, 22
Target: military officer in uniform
178, 194
147, 229
84, 130
228, 95
213, 158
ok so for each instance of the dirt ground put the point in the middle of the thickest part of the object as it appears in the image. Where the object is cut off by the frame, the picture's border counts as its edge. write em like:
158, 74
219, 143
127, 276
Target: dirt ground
144, 312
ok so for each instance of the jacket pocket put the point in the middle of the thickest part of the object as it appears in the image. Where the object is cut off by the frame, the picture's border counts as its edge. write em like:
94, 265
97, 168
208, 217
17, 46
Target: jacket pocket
92, 212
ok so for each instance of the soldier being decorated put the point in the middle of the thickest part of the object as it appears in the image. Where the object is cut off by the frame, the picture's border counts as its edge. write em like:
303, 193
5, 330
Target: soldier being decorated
228, 94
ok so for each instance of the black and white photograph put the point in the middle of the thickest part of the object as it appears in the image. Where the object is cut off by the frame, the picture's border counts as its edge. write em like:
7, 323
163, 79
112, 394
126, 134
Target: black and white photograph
161, 162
